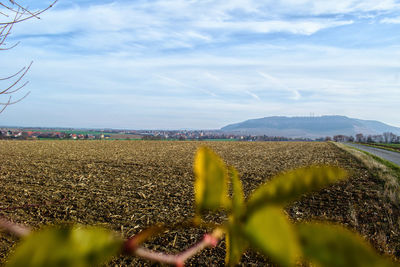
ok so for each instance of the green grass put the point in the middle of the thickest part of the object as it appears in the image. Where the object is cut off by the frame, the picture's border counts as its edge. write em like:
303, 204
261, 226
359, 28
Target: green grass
389, 147
124, 139
222, 139
392, 145
392, 166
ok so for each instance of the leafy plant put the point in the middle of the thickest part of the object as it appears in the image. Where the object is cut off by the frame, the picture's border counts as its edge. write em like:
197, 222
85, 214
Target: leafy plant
259, 223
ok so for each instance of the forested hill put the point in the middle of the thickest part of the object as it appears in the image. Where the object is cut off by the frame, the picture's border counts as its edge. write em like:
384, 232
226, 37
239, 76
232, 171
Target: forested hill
309, 126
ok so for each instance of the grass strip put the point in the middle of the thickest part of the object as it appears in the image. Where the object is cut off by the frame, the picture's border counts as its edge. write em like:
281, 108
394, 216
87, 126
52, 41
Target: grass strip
394, 167
381, 147
385, 170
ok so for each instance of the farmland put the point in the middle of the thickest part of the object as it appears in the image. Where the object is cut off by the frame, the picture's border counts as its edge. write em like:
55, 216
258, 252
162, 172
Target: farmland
129, 185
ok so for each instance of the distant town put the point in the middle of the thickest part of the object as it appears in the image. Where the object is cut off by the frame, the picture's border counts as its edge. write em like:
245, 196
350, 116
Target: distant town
114, 134
21, 133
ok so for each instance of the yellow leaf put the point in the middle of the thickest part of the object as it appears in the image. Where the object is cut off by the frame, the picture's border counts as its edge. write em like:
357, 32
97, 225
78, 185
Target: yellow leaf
238, 205
291, 185
236, 244
211, 185
335, 246
269, 230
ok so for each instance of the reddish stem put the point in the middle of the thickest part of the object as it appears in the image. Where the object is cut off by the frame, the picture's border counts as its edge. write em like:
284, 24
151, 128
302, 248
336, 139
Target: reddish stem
209, 240
14, 228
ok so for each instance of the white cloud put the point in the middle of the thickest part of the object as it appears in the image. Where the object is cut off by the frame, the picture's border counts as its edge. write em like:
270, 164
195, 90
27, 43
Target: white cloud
164, 24
253, 95
181, 62
395, 20
302, 27
279, 84
323, 7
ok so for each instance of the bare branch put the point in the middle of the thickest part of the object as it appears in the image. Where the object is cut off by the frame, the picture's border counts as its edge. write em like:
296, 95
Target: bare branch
16, 14
8, 29
17, 89
25, 9
19, 99
12, 102
11, 47
18, 80
12, 76
34, 15
5, 104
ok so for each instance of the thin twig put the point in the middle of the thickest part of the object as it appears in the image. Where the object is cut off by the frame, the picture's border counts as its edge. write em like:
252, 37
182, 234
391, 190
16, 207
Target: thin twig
25, 9
209, 240
4, 14
18, 80
14, 228
35, 15
5, 104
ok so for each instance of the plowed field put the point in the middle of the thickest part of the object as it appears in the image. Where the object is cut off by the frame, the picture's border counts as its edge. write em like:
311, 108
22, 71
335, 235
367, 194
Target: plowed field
128, 185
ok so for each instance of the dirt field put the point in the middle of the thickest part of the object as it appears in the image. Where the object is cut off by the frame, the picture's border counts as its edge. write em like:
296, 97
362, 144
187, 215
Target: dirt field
128, 185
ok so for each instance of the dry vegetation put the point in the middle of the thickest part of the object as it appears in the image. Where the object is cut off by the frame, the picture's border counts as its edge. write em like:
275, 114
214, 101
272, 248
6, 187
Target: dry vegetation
387, 175
128, 185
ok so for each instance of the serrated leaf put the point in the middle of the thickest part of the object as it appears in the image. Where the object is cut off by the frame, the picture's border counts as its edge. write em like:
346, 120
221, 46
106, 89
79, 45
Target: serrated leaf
236, 244
291, 185
66, 246
211, 185
269, 230
331, 245
238, 205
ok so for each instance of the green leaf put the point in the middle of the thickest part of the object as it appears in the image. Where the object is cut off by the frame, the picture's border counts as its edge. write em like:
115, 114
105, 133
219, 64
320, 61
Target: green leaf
66, 246
291, 185
269, 230
236, 244
238, 205
211, 185
330, 245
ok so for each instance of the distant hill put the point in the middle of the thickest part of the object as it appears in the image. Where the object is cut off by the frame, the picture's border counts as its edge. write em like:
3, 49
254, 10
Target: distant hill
311, 127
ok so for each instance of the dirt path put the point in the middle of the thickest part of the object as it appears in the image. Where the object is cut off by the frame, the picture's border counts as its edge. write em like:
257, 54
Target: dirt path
385, 154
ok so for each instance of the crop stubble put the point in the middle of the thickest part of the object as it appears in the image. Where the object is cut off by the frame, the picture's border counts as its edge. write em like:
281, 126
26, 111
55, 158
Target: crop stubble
128, 185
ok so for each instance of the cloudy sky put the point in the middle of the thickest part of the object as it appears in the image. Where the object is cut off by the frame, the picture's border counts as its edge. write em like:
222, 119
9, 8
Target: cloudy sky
202, 64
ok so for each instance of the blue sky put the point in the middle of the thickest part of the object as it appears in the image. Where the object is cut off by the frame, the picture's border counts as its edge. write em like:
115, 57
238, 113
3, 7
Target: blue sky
195, 64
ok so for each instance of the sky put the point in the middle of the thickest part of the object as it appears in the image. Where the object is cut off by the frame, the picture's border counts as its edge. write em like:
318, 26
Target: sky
203, 64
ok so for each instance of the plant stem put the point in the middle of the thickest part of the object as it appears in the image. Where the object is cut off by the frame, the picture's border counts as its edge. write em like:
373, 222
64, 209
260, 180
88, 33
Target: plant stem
209, 240
14, 228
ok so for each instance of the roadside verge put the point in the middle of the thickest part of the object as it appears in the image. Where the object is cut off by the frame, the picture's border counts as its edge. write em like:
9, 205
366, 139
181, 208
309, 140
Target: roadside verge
385, 170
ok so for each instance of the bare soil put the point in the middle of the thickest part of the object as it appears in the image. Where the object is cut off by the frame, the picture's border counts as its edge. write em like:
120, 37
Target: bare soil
129, 185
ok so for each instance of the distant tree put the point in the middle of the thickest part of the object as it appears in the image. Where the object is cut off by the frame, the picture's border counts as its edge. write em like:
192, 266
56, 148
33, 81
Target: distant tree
12, 13
340, 138
386, 137
360, 138
392, 137
389, 137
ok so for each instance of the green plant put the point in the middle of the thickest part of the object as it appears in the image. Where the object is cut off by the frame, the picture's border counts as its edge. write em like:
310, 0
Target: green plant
259, 223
